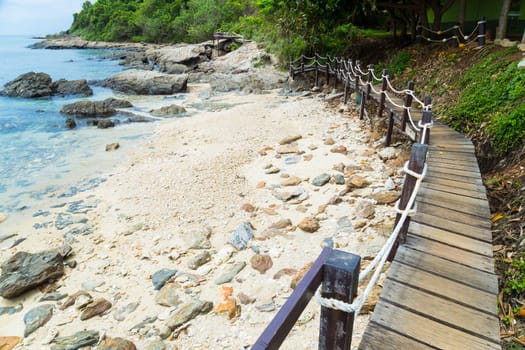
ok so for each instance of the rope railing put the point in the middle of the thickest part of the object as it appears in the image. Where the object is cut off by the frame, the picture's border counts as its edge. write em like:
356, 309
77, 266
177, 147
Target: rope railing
478, 33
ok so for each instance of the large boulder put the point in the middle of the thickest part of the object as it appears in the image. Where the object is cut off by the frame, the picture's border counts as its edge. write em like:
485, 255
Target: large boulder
142, 82
65, 87
29, 85
179, 58
25, 271
90, 109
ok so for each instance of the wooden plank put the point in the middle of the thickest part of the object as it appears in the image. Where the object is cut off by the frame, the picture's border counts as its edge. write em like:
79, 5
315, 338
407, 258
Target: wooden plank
454, 190
468, 199
432, 173
453, 239
460, 256
459, 203
445, 311
444, 181
463, 274
444, 163
474, 298
483, 234
458, 158
452, 215
377, 337
426, 330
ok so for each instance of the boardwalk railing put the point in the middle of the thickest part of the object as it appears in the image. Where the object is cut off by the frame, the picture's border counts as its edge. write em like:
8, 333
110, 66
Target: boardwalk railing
454, 34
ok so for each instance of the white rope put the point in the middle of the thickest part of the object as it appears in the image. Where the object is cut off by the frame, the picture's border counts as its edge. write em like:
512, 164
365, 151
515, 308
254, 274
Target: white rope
393, 103
374, 90
374, 76
379, 260
360, 70
425, 127
393, 89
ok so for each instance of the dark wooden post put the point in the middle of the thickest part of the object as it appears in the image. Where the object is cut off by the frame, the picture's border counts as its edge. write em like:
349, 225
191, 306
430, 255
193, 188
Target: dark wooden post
388, 139
335, 74
425, 119
362, 107
408, 103
419, 35
302, 63
370, 80
291, 69
316, 72
457, 33
416, 164
340, 281
384, 85
327, 65
481, 32
346, 92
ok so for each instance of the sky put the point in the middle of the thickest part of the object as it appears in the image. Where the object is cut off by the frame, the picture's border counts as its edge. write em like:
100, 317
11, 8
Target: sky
37, 17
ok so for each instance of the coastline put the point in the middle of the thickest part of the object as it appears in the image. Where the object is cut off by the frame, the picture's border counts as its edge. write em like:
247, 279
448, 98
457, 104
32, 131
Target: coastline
185, 191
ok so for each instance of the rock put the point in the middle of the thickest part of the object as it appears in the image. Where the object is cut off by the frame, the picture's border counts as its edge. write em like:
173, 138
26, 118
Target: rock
199, 260
245, 299
247, 207
63, 87
168, 111
142, 82
122, 312
299, 276
228, 305
70, 123
321, 180
95, 308
309, 224
283, 223
268, 306
85, 108
241, 236
388, 153
116, 344
261, 263
329, 141
386, 197
37, 317
160, 277
293, 160
25, 271
284, 272
157, 345
29, 85
338, 179
290, 139
364, 209
287, 149
178, 58
339, 149
291, 181
9, 310
9, 342
76, 341
105, 123
356, 181
92, 284
228, 276
71, 300
198, 238
183, 314
112, 146
168, 295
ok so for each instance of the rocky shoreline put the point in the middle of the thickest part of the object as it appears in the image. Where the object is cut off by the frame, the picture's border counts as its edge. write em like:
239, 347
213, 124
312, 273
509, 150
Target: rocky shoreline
200, 238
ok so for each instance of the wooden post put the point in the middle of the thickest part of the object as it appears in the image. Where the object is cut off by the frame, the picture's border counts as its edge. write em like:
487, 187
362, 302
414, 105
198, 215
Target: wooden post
327, 65
388, 139
276, 332
370, 80
481, 32
346, 92
408, 103
457, 33
419, 35
340, 281
335, 74
362, 107
425, 119
316, 72
384, 85
302, 63
291, 69
416, 164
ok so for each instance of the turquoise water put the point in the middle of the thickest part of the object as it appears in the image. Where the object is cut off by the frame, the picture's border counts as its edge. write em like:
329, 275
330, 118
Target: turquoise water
38, 156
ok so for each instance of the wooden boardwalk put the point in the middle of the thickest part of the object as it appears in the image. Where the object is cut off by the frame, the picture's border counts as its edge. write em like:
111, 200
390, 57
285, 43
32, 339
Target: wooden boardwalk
441, 290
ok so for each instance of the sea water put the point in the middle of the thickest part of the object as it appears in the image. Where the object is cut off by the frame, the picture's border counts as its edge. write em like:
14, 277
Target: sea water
39, 157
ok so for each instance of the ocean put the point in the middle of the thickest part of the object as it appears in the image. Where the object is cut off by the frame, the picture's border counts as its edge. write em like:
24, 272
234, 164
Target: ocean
39, 157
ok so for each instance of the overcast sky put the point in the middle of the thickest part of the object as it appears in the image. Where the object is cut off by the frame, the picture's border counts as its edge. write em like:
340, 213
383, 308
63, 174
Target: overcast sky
37, 17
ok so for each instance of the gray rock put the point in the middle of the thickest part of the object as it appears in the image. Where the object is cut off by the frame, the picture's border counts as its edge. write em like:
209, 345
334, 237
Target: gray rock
147, 82
339, 179
105, 123
321, 180
92, 284
241, 236
179, 58
25, 271
168, 111
76, 341
29, 85
122, 312
97, 307
168, 295
156, 345
53, 297
160, 277
63, 87
199, 260
9, 310
64, 220
183, 314
85, 109
228, 276
37, 317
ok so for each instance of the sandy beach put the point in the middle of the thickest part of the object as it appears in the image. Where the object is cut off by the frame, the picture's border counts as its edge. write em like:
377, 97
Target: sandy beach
292, 169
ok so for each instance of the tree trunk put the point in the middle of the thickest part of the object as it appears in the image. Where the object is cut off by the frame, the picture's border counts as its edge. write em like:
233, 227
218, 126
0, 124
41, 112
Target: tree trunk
503, 19
523, 37
462, 14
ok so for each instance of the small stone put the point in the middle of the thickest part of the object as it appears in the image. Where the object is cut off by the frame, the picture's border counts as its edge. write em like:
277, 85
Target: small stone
92, 284
245, 299
329, 141
266, 307
284, 272
247, 207
198, 238
308, 157
321, 180
160, 277
116, 344
364, 209
261, 263
300, 274
98, 307
283, 223
338, 179
287, 149
228, 305
356, 181
292, 160
37, 317
76, 341
72, 299
339, 149
272, 170
241, 236
260, 184
386, 197
199, 260
228, 276
9, 342
9, 310
112, 146
3, 217
157, 345
291, 181
388, 153
183, 314
290, 139
52, 297
122, 312
309, 224
168, 295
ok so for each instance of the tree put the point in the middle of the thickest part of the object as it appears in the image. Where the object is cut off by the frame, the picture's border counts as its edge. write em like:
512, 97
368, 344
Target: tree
503, 18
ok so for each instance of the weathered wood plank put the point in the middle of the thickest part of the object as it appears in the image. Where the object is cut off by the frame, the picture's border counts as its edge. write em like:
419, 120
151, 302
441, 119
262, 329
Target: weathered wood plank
378, 337
469, 179
474, 298
453, 239
480, 233
454, 190
456, 202
440, 179
460, 256
452, 215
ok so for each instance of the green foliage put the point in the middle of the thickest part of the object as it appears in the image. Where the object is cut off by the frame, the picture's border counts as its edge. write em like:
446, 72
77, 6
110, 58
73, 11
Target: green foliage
400, 63
514, 275
492, 94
